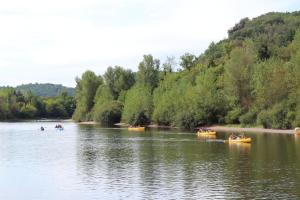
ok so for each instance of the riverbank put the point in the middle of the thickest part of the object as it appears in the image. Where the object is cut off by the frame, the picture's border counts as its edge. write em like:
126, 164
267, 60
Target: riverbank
253, 130
88, 123
218, 128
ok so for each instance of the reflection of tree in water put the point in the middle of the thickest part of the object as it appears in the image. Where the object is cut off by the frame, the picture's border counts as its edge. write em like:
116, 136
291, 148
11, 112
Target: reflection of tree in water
87, 153
103, 155
119, 154
261, 171
168, 166
156, 165
147, 165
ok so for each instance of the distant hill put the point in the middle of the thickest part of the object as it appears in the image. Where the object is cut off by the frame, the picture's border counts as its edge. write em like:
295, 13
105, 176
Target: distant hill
46, 89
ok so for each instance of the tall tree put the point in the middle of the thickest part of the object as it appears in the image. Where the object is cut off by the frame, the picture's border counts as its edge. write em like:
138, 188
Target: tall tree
148, 74
118, 80
169, 65
138, 106
188, 61
85, 92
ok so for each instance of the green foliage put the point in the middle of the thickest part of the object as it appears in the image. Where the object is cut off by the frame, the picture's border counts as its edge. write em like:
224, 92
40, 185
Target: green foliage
5, 97
252, 78
248, 118
188, 116
215, 55
108, 113
138, 106
268, 32
188, 61
165, 98
55, 109
270, 83
118, 79
45, 89
276, 117
148, 74
169, 65
85, 92
28, 111
103, 95
233, 115
68, 102
238, 74
210, 98
15, 105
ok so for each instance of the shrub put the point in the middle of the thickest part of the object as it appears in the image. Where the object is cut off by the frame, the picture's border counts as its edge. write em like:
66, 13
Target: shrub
108, 113
138, 106
248, 118
276, 117
232, 116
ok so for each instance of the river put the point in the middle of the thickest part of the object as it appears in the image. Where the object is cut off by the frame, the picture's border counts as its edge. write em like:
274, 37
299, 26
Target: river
89, 162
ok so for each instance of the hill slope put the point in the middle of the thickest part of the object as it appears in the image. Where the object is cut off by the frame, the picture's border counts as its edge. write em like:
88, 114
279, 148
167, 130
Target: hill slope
46, 89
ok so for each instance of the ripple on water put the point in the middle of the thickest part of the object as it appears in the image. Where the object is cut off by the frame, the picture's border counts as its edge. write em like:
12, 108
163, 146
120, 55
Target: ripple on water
87, 162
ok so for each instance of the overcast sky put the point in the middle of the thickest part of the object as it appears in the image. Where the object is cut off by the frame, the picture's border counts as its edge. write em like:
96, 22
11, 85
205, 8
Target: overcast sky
57, 40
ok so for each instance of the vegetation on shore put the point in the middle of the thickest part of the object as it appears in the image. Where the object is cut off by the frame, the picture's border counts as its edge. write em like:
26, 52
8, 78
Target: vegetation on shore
17, 105
251, 78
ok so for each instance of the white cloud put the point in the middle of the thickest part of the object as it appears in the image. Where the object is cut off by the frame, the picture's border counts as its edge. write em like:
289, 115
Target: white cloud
55, 41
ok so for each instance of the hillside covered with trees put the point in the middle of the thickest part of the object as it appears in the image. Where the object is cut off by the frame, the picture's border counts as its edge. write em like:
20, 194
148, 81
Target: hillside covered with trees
15, 105
45, 89
250, 78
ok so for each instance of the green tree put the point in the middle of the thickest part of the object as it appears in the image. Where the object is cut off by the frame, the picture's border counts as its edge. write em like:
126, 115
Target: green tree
138, 106
28, 111
169, 65
211, 102
68, 103
85, 92
188, 61
55, 109
108, 113
148, 74
237, 77
118, 79
164, 98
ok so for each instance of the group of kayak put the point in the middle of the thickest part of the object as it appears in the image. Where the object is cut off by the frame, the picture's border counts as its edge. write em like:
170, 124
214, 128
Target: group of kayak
205, 132
210, 133
57, 127
232, 138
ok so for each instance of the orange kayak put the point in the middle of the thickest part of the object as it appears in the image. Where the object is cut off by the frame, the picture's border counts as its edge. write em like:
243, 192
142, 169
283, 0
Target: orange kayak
297, 131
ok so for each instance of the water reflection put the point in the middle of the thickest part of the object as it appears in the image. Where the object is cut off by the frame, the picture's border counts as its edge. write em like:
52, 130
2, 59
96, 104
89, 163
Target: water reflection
160, 164
206, 137
241, 147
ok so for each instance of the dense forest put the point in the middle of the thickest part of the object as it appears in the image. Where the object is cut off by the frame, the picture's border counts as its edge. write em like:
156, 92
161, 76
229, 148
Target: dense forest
251, 78
16, 105
45, 89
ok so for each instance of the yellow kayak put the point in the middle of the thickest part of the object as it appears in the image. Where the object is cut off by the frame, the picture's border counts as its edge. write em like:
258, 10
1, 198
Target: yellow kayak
206, 133
240, 140
138, 128
207, 136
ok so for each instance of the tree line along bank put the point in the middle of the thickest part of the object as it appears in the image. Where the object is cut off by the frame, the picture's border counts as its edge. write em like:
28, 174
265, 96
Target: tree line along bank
250, 78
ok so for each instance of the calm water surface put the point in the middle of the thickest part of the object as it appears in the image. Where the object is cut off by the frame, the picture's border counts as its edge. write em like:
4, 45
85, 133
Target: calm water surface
90, 162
